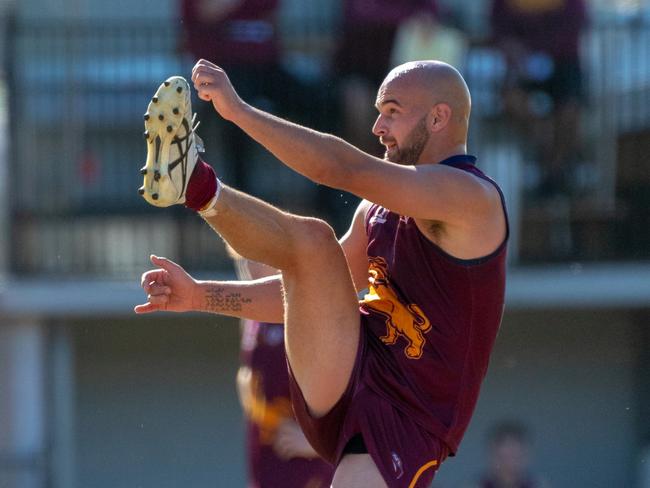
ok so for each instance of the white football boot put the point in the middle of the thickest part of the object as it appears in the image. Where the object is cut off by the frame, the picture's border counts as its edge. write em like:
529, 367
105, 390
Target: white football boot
172, 145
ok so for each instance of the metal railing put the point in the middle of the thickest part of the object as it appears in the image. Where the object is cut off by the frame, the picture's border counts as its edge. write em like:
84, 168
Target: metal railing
77, 92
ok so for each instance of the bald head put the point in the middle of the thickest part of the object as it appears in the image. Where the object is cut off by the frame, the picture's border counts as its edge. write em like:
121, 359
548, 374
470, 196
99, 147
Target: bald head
433, 82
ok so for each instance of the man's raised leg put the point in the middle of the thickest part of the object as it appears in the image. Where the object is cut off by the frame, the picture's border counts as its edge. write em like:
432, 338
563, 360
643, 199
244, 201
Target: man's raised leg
321, 314
321, 308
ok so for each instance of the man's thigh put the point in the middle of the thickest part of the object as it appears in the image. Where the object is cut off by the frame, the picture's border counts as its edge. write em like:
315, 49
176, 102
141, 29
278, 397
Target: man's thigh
321, 322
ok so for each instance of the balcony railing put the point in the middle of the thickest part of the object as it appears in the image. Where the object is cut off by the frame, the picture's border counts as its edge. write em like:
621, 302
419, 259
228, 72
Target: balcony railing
77, 92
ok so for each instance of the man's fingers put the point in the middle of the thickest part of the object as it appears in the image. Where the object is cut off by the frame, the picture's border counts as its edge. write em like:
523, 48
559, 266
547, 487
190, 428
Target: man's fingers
207, 76
159, 300
203, 74
150, 277
204, 82
204, 66
145, 308
199, 66
164, 263
197, 72
158, 289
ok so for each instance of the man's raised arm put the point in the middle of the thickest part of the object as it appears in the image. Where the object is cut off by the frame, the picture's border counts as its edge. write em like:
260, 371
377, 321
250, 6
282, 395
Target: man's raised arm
321, 157
428, 192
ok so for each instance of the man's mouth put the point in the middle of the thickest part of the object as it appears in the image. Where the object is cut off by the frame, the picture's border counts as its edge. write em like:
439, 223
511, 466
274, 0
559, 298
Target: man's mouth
389, 145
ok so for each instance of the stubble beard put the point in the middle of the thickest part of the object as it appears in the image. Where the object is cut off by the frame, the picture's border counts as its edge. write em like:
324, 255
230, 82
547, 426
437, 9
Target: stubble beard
413, 146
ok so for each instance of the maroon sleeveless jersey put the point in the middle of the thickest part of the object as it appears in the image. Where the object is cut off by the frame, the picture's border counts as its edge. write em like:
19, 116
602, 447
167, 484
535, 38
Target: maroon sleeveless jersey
432, 318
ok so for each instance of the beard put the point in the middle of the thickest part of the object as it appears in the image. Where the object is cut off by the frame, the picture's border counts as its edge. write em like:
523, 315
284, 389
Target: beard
413, 145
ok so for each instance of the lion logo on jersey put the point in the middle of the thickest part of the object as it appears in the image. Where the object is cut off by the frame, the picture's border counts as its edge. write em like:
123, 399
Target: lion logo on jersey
405, 320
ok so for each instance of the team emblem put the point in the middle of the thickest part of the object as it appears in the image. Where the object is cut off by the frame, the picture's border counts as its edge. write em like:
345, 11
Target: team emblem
402, 320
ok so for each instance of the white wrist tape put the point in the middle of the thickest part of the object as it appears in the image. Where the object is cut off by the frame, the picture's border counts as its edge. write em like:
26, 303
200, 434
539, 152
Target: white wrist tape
209, 210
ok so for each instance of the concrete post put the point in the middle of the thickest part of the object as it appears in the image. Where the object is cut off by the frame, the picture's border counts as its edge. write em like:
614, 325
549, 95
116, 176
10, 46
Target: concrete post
22, 404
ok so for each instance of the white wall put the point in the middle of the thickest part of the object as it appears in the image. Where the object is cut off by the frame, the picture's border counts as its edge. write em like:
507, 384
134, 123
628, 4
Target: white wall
156, 403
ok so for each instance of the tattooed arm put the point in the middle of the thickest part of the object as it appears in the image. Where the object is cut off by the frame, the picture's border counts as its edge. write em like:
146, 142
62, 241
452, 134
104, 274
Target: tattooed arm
170, 288
259, 299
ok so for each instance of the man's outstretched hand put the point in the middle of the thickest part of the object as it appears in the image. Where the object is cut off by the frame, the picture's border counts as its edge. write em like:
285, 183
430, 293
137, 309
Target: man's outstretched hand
168, 288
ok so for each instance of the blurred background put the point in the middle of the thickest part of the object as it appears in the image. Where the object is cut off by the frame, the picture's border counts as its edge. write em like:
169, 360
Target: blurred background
93, 396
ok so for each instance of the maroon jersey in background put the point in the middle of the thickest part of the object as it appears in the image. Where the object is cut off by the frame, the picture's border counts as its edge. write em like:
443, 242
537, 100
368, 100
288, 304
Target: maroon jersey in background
245, 35
433, 319
264, 363
554, 29
369, 28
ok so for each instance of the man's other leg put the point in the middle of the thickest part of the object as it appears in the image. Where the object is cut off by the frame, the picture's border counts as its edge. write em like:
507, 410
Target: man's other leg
321, 309
357, 471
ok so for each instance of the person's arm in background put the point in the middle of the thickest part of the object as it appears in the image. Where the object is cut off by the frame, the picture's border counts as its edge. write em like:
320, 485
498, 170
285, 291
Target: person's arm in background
501, 21
568, 27
290, 442
504, 35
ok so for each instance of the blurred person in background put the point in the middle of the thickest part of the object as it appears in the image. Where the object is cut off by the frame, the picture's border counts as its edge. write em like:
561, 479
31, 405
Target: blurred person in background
243, 36
543, 90
363, 58
430, 35
278, 453
508, 446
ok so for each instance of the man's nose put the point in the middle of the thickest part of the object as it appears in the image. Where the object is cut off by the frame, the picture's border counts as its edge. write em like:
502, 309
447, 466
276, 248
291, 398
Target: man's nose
379, 127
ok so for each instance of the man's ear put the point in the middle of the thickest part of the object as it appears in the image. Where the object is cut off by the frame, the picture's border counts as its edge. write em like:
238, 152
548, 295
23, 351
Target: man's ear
440, 117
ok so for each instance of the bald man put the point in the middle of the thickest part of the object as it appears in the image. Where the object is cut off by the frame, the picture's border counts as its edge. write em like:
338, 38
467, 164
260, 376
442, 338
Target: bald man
383, 388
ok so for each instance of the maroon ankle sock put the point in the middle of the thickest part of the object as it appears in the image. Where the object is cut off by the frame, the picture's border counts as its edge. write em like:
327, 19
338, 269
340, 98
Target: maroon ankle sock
201, 187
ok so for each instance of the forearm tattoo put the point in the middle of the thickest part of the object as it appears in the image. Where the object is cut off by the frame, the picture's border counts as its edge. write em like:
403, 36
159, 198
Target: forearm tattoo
218, 300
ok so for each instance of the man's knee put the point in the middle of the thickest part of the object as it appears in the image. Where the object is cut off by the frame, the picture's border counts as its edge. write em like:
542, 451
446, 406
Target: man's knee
314, 238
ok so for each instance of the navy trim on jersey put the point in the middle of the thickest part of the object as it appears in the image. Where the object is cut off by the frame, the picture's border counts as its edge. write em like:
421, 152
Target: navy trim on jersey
459, 159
